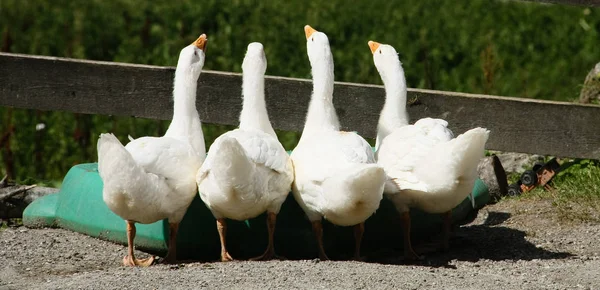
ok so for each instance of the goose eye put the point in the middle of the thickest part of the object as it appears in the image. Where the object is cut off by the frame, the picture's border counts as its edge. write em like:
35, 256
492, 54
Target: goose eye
380, 51
195, 53
312, 39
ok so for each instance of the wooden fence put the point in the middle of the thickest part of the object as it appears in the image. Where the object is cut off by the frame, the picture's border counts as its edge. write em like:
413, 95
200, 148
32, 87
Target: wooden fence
92, 87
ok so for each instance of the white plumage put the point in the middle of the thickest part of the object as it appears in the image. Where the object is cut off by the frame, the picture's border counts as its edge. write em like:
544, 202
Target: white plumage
153, 178
247, 171
427, 167
336, 176
149, 179
431, 174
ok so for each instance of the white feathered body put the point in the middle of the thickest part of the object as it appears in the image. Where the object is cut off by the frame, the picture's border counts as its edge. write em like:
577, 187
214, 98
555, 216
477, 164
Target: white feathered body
246, 173
429, 169
153, 178
150, 179
336, 177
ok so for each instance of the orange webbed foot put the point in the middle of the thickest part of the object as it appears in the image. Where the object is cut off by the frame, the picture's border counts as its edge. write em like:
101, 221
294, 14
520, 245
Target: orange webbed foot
132, 262
268, 255
225, 257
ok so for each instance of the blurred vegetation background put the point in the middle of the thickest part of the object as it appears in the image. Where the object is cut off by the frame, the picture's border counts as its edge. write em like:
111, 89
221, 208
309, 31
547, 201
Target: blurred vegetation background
497, 47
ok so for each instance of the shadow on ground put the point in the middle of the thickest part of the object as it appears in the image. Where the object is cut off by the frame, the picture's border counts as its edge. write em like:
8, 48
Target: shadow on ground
382, 242
489, 240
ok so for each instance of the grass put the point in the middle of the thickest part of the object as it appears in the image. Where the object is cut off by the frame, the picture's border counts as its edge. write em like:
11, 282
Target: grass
39, 182
16, 222
575, 193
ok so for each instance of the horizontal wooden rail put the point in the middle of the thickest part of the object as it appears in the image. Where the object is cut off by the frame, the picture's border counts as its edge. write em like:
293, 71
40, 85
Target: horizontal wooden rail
91, 87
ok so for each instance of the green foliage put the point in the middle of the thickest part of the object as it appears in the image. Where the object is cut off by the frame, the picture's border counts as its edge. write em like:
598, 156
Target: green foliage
575, 191
481, 46
16, 222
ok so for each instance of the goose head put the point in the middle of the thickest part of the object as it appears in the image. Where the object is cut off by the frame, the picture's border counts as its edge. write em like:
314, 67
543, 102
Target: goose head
393, 114
317, 46
321, 62
386, 60
191, 58
255, 60
254, 111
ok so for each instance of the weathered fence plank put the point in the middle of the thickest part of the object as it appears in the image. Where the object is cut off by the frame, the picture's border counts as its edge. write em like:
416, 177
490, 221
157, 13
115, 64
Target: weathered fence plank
517, 125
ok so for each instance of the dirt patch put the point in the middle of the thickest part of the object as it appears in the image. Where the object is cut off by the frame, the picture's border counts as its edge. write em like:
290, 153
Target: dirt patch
510, 245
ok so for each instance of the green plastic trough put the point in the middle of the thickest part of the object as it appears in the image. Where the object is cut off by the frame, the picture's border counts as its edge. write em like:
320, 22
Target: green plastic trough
79, 207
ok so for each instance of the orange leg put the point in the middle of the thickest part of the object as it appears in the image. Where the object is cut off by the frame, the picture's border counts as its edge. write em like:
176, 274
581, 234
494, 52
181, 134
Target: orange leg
447, 230
359, 229
172, 252
130, 259
409, 253
270, 252
318, 230
222, 228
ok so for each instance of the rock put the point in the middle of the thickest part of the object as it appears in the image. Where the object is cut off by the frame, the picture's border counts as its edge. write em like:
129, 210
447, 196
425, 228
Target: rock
518, 162
14, 206
590, 91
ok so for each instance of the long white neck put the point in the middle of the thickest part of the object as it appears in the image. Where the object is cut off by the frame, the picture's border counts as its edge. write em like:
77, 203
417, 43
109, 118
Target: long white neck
321, 113
186, 125
254, 111
394, 114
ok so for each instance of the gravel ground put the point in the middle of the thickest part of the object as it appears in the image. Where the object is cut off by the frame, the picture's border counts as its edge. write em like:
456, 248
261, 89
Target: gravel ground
510, 245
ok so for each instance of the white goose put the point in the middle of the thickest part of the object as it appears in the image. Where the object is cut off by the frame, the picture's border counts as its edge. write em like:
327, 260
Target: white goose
153, 178
336, 176
247, 171
427, 167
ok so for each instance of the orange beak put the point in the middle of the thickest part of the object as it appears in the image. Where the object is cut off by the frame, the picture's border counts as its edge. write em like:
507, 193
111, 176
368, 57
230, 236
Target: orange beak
201, 42
373, 45
308, 31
